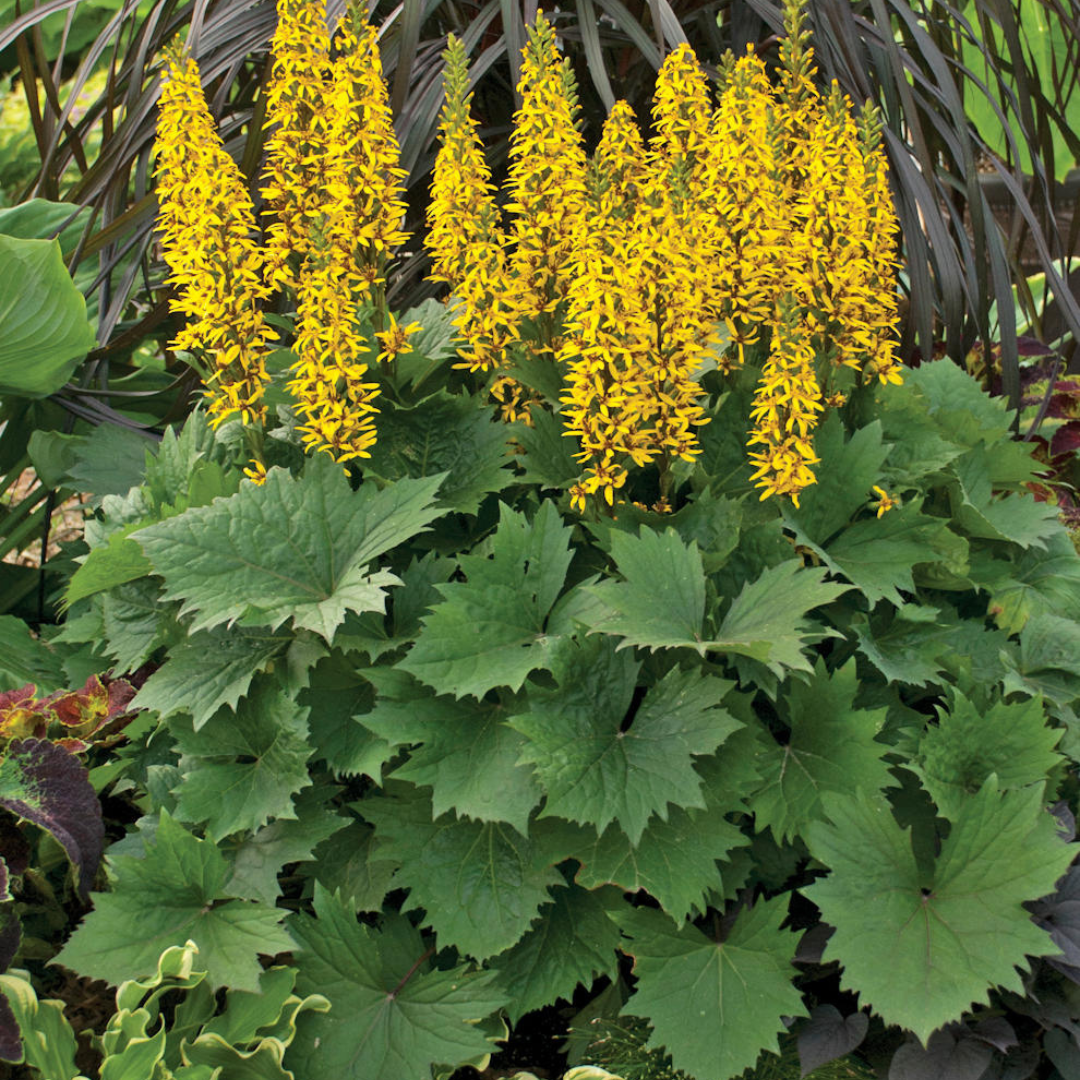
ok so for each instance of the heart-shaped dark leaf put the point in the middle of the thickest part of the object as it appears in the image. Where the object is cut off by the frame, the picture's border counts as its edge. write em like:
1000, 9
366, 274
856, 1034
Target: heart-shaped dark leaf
828, 1035
945, 1057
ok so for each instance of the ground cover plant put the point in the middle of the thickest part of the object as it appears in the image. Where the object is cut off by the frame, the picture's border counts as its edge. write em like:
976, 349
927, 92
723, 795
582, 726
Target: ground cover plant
631, 635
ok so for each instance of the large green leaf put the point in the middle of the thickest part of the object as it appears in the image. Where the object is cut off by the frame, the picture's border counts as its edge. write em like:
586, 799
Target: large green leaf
968, 744
209, 670
292, 548
1039, 582
176, 892
766, 619
44, 332
489, 630
481, 883
447, 434
573, 942
920, 949
661, 601
598, 763
468, 755
244, 767
392, 1014
831, 747
848, 471
715, 1005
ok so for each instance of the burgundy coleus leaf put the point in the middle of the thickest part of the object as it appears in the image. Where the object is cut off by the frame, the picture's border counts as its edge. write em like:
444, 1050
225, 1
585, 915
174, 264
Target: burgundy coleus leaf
1066, 439
91, 711
11, 1048
20, 714
10, 935
43, 783
14, 849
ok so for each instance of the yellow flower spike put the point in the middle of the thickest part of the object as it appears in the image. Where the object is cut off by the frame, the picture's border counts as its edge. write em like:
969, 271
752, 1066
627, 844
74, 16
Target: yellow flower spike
467, 244
206, 221
681, 108
885, 502
546, 183
298, 115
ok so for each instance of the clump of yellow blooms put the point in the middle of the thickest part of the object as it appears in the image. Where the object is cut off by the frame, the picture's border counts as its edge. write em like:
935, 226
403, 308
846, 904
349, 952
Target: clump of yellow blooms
207, 225
757, 228
753, 229
333, 187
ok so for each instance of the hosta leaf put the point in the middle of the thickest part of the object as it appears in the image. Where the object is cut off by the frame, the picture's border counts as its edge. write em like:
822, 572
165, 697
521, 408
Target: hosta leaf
968, 744
661, 602
766, 620
447, 434
573, 942
468, 756
481, 884
831, 747
244, 767
489, 630
392, 1015
292, 548
921, 949
45, 784
714, 1005
210, 670
599, 763
43, 328
175, 893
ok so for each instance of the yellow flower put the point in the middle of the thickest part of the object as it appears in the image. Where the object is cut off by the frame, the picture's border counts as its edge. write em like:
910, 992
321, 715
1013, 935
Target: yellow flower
206, 220
256, 472
885, 501
395, 339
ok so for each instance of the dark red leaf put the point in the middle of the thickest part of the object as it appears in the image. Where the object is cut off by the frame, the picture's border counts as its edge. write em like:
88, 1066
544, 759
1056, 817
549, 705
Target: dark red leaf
43, 783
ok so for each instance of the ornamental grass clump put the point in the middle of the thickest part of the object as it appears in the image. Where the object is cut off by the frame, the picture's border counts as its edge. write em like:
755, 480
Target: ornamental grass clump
756, 229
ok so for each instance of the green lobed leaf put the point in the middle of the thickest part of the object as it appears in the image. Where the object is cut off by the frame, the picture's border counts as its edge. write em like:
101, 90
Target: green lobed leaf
548, 459
906, 645
1037, 583
258, 858
209, 670
489, 630
291, 548
848, 471
392, 1015
596, 762
878, 555
135, 623
337, 696
921, 949
573, 942
1048, 661
444, 433
481, 883
831, 747
243, 768
766, 619
176, 892
467, 755
349, 863
661, 601
714, 1005
956, 756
